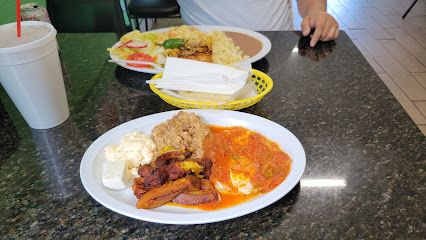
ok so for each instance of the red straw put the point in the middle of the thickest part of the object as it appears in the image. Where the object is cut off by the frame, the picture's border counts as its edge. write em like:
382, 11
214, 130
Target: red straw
18, 16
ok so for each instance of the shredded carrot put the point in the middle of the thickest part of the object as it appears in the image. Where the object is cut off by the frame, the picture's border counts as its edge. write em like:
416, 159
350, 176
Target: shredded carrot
155, 58
125, 55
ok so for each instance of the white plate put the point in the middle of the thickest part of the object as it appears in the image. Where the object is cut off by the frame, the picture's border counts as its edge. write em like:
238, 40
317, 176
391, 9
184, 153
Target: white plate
124, 202
207, 28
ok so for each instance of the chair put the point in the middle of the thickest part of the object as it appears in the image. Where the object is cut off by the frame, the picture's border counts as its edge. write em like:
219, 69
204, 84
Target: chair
88, 16
145, 9
409, 9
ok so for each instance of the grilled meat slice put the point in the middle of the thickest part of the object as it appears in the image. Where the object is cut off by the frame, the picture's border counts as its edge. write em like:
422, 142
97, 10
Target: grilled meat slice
199, 56
202, 53
165, 193
206, 194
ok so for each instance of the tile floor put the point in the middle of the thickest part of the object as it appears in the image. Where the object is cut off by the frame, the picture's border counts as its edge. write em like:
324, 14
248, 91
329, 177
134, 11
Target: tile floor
395, 47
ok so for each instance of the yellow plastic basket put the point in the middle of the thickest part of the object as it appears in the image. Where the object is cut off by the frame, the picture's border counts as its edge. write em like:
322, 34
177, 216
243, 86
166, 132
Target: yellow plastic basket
262, 81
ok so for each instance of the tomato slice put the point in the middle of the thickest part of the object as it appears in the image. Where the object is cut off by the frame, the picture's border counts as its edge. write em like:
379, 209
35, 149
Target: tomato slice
138, 56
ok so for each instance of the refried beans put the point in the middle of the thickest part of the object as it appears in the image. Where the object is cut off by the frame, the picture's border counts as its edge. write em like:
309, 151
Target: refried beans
248, 44
184, 130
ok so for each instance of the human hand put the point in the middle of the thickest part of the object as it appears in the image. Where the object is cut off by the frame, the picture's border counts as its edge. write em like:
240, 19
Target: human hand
326, 27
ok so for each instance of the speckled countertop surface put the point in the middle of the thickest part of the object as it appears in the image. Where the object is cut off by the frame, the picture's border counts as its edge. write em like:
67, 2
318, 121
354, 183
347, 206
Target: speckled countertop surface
353, 130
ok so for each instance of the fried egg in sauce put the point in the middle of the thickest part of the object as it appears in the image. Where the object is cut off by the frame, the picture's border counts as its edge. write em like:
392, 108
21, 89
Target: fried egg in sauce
245, 162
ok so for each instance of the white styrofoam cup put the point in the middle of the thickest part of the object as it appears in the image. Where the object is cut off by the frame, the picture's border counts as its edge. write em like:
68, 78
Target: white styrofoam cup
32, 76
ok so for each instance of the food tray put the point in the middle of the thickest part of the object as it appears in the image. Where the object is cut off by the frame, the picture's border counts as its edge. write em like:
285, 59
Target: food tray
263, 85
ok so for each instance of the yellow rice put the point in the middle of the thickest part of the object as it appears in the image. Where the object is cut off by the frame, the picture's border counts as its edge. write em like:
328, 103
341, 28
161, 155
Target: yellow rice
224, 50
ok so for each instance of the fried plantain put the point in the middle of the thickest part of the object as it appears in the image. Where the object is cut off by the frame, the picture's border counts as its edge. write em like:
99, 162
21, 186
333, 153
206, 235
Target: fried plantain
165, 193
206, 194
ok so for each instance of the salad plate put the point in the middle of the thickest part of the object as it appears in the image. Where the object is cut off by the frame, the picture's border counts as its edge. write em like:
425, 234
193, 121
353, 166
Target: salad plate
124, 201
264, 50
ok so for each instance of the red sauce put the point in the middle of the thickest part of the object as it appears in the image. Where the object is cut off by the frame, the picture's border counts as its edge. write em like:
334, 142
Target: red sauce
246, 152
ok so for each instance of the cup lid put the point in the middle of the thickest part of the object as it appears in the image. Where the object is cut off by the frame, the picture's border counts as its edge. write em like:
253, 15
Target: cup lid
11, 27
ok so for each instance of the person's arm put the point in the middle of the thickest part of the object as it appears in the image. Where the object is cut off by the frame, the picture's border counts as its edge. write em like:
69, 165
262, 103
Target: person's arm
314, 14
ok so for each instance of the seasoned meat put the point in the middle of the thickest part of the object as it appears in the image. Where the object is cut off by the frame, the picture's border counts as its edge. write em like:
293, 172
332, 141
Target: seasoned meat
153, 176
207, 165
199, 56
175, 170
139, 188
203, 53
172, 155
206, 194
165, 193
178, 169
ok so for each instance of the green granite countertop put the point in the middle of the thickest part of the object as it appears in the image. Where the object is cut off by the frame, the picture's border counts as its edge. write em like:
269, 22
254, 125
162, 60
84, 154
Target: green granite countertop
352, 129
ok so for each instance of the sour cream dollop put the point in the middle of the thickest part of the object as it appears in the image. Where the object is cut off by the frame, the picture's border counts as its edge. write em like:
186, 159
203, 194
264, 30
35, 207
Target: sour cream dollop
135, 147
